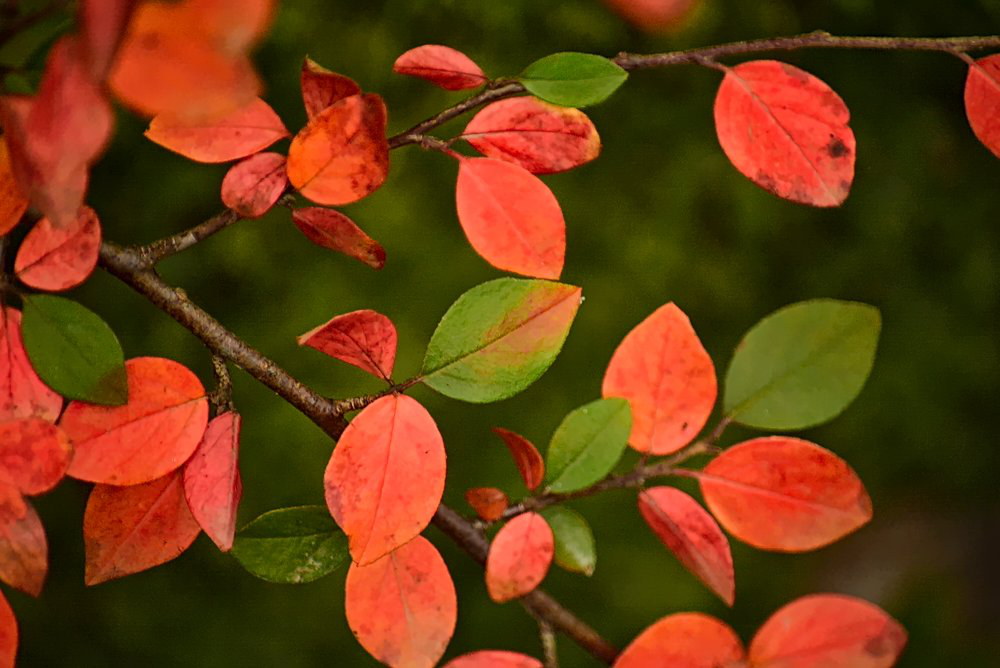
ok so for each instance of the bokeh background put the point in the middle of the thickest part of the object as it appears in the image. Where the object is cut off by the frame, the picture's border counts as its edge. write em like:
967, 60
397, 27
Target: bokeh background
660, 216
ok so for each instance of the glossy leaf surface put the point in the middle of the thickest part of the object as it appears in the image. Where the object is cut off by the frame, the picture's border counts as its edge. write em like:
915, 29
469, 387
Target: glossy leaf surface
22, 392
574, 541
982, 101
253, 186
366, 339
573, 79
519, 557
321, 87
441, 65
34, 455
526, 457
291, 545
332, 229
212, 485
684, 640
488, 502
24, 552
59, 258
587, 444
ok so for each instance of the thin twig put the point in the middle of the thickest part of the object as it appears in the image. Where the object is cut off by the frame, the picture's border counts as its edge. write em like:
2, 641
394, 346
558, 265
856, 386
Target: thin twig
550, 650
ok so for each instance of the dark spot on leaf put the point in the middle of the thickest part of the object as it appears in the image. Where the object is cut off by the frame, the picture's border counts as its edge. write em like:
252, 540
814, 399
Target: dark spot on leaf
837, 149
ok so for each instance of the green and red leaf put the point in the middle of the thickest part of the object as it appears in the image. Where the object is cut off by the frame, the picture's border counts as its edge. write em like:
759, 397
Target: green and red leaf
212, 485
519, 557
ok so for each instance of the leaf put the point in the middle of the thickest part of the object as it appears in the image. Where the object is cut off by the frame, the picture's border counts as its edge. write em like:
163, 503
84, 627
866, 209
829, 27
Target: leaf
22, 392
573, 79
828, 630
13, 203
131, 529
488, 502
526, 457
684, 640
692, 535
8, 634
150, 436
655, 16
498, 338
365, 339
102, 26
321, 87
784, 494
982, 101
291, 545
519, 557
342, 154
332, 229
492, 658
252, 187
510, 217
59, 258
212, 485
540, 137
587, 444
802, 365
34, 455
73, 350
574, 541
24, 552
386, 476
443, 66
786, 131
667, 377
402, 608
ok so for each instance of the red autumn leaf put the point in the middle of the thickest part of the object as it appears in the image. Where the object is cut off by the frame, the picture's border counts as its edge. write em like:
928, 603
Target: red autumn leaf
59, 258
8, 634
784, 494
684, 640
491, 658
212, 484
131, 529
540, 137
321, 87
150, 436
488, 502
786, 131
667, 377
253, 186
22, 392
402, 608
12, 202
827, 631
441, 65
510, 217
519, 557
982, 101
332, 229
342, 154
24, 552
366, 339
528, 460
386, 476
654, 15
34, 455
102, 27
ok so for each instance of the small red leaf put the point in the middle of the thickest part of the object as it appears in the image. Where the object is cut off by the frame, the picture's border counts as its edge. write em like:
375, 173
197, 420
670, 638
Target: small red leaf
34, 455
24, 552
655, 16
332, 229
492, 658
22, 392
982, 101
488, 502
529, 461
13, 203
366, 339
212, 484
251, 187
684, 640
519, 557
321, 87
8, 634
59, 258
102, 26
441, 65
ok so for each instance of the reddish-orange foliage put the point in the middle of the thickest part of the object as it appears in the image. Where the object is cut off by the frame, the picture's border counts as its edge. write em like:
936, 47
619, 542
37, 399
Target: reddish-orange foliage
59, 258
34, 455
252, 186
366, 339
321, 87
654, 15
150, 436
441, 65
519, 557
22, 392
102, 26
24, 559
332, 229
982, 101
403, 608
13, 202
668, 379
491, 658
684, 640
488, 502
212, 485
526, 457
8, 634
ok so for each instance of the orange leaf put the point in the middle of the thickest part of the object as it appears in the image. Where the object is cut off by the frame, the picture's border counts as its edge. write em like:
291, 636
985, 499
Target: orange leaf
212, 485
982, 101
102, 27
59, 258
12, 203
786, 131
441, 65
784, 494
366, 339
402, 608
684, 640
654, 15
8, 634
22, 392
342, 154
131, 529
386, 476
529, 461
253, 186
332, 229
825, 631
24, 558
34, 455
668, 379
692, 535
519, 557
488, 502
510, 217
491, 658
150, 436
321, 87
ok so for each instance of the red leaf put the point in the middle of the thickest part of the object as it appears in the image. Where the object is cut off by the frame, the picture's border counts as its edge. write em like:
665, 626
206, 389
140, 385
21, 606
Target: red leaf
102, 27
654, 15
441, 65
24, 559
386, 476
826, 631
332, 229
488, 502
253, 186
692, 535
59, 258
784, 494
510, 217
8, 634
212, 485
668, 379
321, 87
540, 137
519, 557
786, 131
12, 203
491, 658
150, 436
982, 101
366, 339
684, 640
34, 455
22, 392
402, 608
342, 154
529, 461
131, 529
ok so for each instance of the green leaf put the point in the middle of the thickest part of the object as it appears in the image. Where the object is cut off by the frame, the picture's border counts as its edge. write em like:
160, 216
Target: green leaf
575, 549
498, 338
291, 545
74, 351
588, 444
573, 79
802, 365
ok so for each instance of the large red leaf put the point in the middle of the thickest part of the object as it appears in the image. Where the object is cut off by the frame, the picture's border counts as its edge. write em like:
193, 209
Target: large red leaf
667, 377
150, 436
321, 87
402, 608
102, 27
492, 658
684, 640
982, 101
441, 65
332, 229
212, 484
13, 202
519, 557
785, 494
8, 634
526, 457
252, 186
692, 535
828, 631
59, 258
24, 552
22, 392
786, 131
488, 502
366, 339
510, 217
386, 476
34, 455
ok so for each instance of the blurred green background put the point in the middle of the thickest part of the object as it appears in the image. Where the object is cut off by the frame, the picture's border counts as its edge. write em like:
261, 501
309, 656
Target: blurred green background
660, 216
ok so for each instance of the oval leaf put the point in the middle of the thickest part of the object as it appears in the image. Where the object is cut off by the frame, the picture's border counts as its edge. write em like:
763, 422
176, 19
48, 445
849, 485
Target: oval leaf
8, 634
332, 229
587, 444
59, 258
655, 16
526, 457
488, 502
519, 557
982, 101
575, 550
321, 87
24, 552
253, 186
492, 658
441, 65
34, 455
212, 485
365, 339
13, 203
22, 392
684, 640
573, 79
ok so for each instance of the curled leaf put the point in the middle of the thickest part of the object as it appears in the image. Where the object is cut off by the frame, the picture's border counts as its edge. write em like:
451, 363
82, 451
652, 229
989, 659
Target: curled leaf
488, 502
321, 87
332, 229
519, 557
212, 485
365, 339
59, 258
526, 457
441, 65
252, 187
